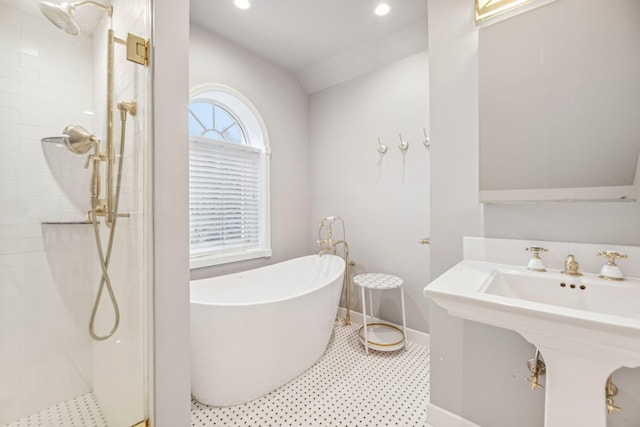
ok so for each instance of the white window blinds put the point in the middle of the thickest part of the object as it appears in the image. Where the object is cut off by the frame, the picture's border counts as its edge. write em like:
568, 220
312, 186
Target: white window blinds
224, 197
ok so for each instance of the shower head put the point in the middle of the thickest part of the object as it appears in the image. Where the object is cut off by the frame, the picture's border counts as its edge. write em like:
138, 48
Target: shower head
78, 139
63, 15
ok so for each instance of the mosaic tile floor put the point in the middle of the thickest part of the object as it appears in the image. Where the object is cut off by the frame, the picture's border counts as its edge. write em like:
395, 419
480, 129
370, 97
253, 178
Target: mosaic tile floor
344, 388
83, 411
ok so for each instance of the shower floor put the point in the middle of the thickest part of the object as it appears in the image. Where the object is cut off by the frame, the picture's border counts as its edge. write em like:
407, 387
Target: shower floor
344, 388
83, 411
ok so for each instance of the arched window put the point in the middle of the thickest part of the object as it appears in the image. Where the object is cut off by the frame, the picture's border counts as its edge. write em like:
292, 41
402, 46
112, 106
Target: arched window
228, 178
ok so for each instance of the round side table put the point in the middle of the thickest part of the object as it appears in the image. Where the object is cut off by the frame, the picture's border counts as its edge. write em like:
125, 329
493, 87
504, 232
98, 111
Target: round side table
380, 336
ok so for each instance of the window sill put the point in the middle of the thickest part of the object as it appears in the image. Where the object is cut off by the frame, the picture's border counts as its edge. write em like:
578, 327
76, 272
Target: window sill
227, 258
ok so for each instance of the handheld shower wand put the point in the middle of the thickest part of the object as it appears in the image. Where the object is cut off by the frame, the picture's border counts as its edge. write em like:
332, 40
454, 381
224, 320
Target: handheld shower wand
80, 141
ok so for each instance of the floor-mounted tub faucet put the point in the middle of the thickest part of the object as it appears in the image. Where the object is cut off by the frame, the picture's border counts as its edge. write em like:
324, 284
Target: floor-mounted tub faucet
327, 244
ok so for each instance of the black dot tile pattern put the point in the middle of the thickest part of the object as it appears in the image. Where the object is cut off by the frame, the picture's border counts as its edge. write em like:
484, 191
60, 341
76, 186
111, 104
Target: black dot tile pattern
344, 388
82, 411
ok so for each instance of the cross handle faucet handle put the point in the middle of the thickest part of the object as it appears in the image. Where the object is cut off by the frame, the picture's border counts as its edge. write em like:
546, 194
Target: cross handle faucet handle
612, 256
536, 250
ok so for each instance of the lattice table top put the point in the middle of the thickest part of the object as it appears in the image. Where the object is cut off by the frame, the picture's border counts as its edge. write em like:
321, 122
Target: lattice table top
378, 281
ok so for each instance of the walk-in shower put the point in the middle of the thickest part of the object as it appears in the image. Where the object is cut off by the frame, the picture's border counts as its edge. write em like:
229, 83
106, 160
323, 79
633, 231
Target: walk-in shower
68, 88
79, 141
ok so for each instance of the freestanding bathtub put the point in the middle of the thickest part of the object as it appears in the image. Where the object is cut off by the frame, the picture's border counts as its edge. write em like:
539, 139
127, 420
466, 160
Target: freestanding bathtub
255, 331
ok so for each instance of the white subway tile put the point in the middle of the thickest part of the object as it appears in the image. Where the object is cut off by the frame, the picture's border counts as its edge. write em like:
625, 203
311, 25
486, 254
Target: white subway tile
8, 289
10, 232
9, 114
9, 86
9, 56
19, 130
10, 278
30, 62
15, 72
18, 145
23, 103
20, 260
11, 246
15, 159
9, 33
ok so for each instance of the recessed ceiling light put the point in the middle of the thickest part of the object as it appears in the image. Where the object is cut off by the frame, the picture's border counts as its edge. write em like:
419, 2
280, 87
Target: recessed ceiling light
242, 4
382, 9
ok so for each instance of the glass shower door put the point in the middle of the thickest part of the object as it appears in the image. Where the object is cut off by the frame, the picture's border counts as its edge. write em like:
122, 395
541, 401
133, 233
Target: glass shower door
57, 366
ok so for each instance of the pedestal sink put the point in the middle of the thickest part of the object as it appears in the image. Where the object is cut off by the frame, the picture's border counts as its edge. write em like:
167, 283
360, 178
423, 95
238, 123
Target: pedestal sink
585, 327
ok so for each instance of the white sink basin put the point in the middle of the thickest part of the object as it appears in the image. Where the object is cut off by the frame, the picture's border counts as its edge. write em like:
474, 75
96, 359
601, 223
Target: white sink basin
584, 332
587, 293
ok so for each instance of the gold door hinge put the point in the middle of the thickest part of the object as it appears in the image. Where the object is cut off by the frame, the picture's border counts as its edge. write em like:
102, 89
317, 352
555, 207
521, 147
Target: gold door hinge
144, 423
137, 50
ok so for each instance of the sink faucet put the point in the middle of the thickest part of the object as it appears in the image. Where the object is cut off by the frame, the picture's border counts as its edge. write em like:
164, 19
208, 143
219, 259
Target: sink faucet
571, 266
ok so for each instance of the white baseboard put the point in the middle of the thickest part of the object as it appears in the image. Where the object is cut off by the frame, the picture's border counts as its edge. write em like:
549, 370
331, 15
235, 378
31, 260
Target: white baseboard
438, 417
413, 335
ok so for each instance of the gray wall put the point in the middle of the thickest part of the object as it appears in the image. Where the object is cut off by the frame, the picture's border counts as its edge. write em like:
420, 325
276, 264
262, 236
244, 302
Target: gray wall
382, 198
477, 371
283, 105
170, 359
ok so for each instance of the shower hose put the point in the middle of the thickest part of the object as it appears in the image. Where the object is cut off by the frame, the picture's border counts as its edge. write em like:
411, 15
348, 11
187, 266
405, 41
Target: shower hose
105, 281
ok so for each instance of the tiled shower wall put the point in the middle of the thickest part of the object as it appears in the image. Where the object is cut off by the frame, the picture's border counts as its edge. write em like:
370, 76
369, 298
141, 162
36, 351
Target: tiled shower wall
119, 362
45, 270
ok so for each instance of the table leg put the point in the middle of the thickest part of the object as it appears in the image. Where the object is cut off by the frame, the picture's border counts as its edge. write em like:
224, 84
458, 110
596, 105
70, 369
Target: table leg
364, 320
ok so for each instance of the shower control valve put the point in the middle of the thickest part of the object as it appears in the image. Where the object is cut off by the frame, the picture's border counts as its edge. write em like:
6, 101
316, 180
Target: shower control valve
91, 157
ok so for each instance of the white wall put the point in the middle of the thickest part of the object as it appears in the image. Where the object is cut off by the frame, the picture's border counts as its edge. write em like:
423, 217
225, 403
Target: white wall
454, 170
45, 85
382, 198
170, 379
475, 367
284, 107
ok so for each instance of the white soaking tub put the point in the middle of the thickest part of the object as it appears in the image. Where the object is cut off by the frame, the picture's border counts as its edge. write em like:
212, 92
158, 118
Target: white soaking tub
255, 331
